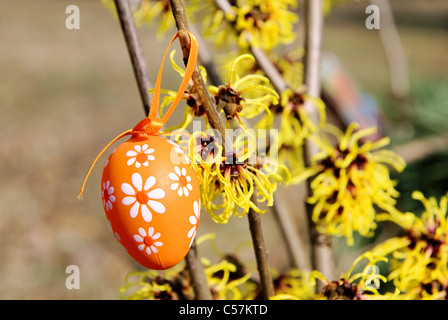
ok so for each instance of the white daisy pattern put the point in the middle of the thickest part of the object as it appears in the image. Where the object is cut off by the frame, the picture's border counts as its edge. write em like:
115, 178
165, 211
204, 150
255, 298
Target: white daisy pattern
194, 220
142, 198
140, 156
146, 241
107, 195
181, 181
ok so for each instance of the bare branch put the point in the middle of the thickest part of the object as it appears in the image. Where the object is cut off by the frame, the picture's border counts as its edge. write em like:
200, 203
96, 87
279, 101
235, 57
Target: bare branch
206, 100
269, 69
261, 254
135, 51
198, 278
294, 244
393, 49
418, 149
321, 254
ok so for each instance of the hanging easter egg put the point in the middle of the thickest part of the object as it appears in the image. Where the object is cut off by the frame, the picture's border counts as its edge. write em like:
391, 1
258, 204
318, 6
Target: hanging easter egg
150, 192
151, 197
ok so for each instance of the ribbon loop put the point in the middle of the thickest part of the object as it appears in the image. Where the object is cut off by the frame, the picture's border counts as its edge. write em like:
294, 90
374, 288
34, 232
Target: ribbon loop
191, 64
151, 124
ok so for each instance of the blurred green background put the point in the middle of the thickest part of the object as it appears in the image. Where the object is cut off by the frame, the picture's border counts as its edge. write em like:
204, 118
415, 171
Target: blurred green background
64, 94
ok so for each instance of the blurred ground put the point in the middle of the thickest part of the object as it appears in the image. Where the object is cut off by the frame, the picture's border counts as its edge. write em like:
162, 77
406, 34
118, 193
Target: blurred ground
64, 94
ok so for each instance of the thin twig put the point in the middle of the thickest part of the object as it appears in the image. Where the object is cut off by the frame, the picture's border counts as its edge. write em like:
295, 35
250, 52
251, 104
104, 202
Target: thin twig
321, 255
135, 51
295, 246
421, 148
198, 278
313, 39
269, 69
393, 49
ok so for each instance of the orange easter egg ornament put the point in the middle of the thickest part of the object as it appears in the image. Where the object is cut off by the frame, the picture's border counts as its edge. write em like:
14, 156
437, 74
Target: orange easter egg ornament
149, 190
151, 197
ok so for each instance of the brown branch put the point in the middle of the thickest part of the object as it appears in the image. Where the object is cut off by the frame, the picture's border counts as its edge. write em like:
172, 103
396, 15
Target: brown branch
261, 254
321, 255
217, 123
135, 51
206, 59
204, 96
198, 277
194, 264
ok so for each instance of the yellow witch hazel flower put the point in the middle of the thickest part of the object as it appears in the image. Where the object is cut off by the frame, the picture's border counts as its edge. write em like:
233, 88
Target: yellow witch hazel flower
233, 183
264, 23
214, 20
363, 285
352, 178
149, 285
246, 96
290, 65
419, 265
175, 284
295, 127
299, 285
242, 97
219, 278
260, 23
295, 284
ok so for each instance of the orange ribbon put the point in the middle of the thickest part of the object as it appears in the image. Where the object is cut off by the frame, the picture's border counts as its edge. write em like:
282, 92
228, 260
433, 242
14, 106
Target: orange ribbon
151, 124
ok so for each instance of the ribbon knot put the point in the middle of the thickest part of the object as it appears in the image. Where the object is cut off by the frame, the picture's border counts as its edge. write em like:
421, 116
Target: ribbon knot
148, 126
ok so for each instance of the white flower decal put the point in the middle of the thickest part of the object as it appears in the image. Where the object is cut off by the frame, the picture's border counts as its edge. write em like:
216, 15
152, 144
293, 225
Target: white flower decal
107, 195
194, 220
142, 198
140, 156
147, 240
182, 181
